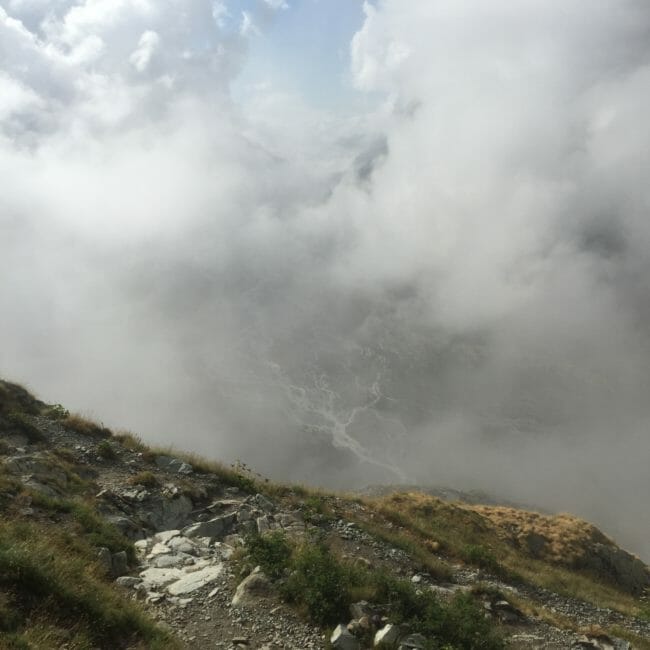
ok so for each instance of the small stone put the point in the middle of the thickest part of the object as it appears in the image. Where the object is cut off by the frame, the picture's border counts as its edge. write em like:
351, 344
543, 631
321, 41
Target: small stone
166, 535
413, 642
105, 559
264, 503
120, 563
128, 581
341, 639
388, 635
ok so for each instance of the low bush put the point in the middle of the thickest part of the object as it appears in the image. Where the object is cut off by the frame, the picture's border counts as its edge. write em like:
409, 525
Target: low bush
325, 586
105, 450
271, 552
319, 583
146, 479
57, 412
480, 556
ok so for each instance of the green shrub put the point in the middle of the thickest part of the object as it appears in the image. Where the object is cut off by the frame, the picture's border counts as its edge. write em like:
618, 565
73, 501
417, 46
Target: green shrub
480, 556
57, 412
324, 586
403, 600
272, 552
463, 625
319, 583
460, 623
106, 451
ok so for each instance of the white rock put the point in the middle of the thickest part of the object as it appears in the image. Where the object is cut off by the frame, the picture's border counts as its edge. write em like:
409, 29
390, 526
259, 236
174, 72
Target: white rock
182, 545
164, 536
128, 581
141, 546
158, 549
389, 635
158, 578
168, 561
250, 588
197, 565
342, 639
195, 580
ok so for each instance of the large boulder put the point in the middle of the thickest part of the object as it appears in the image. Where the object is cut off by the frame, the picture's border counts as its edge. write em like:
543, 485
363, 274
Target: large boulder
166, 513
614, 564
37, 472
193, 580
171, 464
218, 527
251, 588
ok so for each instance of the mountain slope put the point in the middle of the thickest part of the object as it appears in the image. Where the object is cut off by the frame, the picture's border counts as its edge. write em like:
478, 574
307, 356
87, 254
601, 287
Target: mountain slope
101, 536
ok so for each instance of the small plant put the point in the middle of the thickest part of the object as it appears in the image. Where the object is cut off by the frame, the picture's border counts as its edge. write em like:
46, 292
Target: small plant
319, 583
315, 509
85, 427
105, 450
272, 552
459, 623
146, 479
480, 556
244, 477
57, 412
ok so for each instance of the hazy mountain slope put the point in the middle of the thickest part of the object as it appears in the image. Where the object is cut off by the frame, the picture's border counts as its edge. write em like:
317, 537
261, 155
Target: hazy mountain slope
70, 488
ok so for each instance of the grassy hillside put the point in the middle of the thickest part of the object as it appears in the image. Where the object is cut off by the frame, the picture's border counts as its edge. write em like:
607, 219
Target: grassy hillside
54, 592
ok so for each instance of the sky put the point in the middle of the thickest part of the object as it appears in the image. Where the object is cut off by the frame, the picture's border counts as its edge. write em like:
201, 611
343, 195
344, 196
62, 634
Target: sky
345, 242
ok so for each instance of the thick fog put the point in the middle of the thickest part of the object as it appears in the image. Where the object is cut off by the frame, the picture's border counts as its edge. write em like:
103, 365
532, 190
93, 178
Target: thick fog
451, 287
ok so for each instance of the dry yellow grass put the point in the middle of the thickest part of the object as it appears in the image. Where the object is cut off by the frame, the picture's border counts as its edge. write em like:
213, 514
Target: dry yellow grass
560, 539
85, 426
459, 528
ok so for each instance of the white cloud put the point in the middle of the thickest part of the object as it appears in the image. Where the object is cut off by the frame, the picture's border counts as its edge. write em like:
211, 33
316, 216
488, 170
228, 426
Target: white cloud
147, 45
16, 98
277, 4
220, 13
169, 258
247, 26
